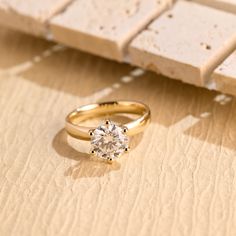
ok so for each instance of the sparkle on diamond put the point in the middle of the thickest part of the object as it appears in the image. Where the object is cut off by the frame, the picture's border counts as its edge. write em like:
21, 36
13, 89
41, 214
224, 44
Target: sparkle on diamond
109, 141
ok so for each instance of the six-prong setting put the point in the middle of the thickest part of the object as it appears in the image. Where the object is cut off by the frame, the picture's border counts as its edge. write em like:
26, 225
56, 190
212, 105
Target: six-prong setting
109, 141
125, 130
91, 133
92, 153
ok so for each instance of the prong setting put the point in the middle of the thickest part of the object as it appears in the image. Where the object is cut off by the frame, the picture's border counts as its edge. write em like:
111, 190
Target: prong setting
107, 122
125, 130
110, 160
93, 153
110, 141
90, 133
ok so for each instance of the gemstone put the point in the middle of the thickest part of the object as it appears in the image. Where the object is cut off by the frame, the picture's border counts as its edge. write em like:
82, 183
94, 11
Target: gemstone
109, 141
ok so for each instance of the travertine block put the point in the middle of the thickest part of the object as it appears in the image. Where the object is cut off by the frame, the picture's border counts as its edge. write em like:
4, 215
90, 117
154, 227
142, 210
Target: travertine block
30, 16
225, 75
104, 27
186, 43
224, 5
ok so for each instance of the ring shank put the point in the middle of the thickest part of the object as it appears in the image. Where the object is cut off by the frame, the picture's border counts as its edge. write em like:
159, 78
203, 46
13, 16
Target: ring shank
105, 109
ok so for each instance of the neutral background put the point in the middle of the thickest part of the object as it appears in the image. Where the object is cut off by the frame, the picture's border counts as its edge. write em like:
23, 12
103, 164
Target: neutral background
179, 179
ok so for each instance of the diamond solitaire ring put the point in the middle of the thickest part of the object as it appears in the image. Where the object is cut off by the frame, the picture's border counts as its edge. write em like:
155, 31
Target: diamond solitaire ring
109, 140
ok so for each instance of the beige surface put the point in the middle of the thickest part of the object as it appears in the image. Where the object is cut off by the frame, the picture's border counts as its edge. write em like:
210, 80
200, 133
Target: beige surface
199, 37
224, 5
186, 43
178, 180
104, 27
225, 75
30, 16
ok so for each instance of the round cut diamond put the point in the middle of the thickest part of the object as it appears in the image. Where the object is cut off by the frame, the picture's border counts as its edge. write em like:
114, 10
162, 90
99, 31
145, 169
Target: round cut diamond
109, 141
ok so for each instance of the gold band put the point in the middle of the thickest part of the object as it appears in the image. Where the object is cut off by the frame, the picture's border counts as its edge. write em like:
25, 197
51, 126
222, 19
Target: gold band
105, 109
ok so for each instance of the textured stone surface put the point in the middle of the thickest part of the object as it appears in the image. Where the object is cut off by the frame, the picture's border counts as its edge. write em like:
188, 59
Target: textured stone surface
30, 16
224, 5
225, 75
104, 27
178, 179
186, 42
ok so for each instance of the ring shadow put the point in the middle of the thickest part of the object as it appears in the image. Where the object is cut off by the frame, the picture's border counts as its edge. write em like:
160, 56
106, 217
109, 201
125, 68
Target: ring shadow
170, 101
86, 166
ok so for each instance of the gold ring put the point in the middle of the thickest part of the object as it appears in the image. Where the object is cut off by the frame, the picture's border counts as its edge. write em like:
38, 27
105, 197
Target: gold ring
109, 140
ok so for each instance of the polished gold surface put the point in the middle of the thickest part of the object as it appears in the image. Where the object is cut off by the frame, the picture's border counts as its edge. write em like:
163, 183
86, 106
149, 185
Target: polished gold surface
107, 109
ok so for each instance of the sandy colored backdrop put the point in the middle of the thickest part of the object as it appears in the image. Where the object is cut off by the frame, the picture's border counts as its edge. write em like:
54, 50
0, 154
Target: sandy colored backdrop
178, 180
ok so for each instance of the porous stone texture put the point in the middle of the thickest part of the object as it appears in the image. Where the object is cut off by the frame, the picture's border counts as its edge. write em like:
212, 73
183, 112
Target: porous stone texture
186, 43
224, 5
104, 27
30, 16
225, 75
109, 141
